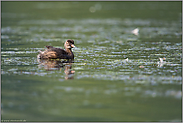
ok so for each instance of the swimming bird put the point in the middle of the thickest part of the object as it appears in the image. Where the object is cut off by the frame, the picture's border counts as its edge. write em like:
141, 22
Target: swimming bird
58, 53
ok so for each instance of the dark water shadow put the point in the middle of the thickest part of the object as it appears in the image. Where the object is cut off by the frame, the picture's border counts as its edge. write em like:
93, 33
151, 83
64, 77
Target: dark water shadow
51, 65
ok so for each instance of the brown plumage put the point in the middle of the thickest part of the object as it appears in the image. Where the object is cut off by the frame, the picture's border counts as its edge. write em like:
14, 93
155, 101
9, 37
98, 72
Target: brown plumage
57, 53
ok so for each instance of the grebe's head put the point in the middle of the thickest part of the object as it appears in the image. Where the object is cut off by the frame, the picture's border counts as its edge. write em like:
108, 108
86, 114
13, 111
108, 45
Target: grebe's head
69, 44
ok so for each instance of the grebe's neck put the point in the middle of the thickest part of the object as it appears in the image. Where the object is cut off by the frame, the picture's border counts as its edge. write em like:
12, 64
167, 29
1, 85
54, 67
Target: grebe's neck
69, 53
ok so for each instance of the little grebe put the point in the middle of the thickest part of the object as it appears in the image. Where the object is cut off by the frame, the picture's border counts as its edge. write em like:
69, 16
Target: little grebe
57, 53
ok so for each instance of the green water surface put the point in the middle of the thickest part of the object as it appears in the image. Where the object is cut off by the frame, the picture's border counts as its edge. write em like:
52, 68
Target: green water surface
101, 84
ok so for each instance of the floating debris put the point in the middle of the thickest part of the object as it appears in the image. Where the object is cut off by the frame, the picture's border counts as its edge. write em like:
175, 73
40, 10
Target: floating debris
135, 31
141, 66
126, 59
161, 62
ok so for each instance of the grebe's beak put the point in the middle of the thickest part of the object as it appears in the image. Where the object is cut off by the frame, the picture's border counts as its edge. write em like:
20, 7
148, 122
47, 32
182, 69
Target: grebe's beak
72, 45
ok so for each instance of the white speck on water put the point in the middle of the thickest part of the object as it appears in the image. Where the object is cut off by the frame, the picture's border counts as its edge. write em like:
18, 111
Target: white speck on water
135, 31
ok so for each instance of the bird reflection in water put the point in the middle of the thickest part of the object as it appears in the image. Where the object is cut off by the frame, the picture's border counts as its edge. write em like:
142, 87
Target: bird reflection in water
51, 65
